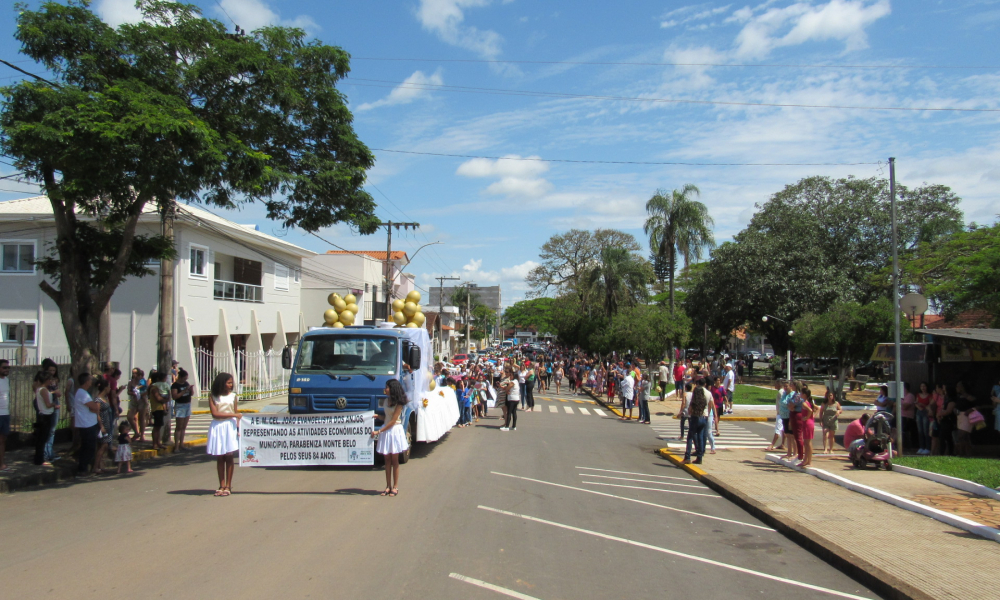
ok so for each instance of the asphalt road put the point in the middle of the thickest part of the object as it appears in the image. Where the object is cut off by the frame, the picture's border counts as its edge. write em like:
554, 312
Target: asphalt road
571, 505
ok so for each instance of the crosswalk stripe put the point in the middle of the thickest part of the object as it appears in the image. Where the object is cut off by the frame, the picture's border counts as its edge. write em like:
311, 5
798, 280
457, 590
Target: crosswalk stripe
600, 412
583, 410
569, 409
552, 408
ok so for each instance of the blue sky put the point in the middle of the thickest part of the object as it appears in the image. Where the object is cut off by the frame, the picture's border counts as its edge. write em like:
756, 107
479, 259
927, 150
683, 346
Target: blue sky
492, 216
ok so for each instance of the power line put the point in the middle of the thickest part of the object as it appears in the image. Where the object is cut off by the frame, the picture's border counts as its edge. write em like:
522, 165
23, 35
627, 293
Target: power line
29, 74
670, 64
382, 83
626, 162
441, 262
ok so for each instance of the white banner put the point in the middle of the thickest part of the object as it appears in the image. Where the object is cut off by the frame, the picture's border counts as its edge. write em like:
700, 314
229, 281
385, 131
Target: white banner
282, 440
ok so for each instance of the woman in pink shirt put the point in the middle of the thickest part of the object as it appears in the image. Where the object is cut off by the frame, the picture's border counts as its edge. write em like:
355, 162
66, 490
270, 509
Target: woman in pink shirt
923, 419
909, 409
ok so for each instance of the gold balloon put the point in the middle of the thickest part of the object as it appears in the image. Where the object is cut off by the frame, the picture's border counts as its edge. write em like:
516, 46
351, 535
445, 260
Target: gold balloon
412, 325
397, 305
338, 325
339, 304
432, 385
347, 317
350, 299
330, 316
351, 306
330, 299
409, 309
413, 297
418, 318
398, 318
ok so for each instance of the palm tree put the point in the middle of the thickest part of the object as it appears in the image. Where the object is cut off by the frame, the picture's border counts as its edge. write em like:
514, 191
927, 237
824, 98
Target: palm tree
678, 224
620, 278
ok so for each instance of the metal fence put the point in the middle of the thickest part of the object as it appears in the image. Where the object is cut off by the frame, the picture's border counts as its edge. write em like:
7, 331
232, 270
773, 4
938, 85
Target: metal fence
255, 374
22, 398
30, 356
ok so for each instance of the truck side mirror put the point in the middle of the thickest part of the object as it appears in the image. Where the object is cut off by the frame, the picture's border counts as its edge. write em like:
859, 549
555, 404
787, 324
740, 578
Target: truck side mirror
286, 358
413, 357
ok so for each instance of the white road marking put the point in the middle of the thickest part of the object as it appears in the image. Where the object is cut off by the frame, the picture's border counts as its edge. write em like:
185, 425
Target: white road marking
490, 586
600, 412
636, 487
700, 559
583, 410
700, 487
680, 510
688, 479
568, 409
552, 408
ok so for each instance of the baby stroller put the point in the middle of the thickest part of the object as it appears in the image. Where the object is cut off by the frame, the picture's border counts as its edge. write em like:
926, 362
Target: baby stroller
876, 446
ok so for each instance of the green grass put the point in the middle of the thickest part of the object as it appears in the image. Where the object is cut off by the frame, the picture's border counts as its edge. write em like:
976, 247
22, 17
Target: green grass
985, 471
750, 394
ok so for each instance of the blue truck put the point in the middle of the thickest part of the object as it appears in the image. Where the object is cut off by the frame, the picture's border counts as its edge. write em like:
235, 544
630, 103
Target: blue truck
346, 369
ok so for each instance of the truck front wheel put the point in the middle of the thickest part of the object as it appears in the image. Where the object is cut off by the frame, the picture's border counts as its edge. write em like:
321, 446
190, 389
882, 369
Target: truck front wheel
411, 436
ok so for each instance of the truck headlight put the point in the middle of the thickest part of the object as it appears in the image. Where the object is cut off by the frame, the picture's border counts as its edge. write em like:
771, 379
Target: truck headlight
299, 402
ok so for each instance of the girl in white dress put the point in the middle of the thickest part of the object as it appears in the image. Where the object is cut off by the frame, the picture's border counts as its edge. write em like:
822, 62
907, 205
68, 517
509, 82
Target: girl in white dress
223, 440
392, 436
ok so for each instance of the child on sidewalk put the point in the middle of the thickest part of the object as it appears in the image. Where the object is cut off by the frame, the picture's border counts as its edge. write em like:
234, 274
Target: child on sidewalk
124, 454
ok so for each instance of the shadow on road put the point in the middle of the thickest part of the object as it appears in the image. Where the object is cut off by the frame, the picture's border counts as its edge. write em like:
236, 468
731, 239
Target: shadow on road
340, 492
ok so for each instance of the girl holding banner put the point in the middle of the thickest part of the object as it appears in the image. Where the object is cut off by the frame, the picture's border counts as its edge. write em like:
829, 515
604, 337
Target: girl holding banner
392, 437
223, 441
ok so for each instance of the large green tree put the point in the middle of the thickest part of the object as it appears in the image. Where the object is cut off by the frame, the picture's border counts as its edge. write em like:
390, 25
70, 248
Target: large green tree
959, 272
620, 279
172, 107
677, 225
848, 331
649, 331
817, 242
536, 312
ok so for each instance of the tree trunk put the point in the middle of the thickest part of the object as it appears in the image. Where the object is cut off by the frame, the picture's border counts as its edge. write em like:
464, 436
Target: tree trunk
671, 260
165, 348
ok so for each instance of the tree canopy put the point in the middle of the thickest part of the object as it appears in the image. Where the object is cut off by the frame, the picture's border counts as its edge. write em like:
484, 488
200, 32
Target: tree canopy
959, 272
536, 312
815, 243
677, 225
172, 107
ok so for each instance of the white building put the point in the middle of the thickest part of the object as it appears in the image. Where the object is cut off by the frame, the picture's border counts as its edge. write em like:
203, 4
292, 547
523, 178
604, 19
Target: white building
235, 290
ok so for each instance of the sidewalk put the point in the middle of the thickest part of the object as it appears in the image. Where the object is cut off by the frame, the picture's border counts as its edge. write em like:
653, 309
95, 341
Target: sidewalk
897, 553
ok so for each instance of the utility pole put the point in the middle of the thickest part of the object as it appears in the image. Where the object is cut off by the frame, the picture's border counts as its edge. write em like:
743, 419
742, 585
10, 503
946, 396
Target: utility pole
165, 346
388, 261
441, 281
895, 306
468, 316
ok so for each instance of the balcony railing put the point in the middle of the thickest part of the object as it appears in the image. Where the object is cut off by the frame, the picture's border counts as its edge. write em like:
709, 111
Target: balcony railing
238, 292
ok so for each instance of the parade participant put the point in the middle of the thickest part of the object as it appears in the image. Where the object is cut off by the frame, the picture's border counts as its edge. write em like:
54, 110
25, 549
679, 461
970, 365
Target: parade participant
392, 436
223, 441
509, 384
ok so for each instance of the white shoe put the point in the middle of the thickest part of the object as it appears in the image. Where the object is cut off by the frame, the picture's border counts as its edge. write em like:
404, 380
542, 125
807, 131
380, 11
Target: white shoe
515, 429
504, 429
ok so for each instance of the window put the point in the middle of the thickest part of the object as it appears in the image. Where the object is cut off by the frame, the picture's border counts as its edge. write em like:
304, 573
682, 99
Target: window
217, 273
296, 275
280, 277
18, 256
250, 272
198, 265
8, 332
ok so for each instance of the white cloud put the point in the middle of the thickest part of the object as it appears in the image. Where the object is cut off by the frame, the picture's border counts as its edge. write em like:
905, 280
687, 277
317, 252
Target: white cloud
507, 277
518, 178
411, 89
838, 20
688, 14
446, 19
117, 12
254, 14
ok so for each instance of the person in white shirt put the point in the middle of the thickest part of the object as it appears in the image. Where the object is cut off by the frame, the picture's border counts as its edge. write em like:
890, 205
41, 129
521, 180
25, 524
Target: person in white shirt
628, 389
729, 383
4, 410
663, 379
85, 410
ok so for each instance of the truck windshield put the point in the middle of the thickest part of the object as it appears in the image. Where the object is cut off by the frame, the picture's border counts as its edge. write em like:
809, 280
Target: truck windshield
342, 354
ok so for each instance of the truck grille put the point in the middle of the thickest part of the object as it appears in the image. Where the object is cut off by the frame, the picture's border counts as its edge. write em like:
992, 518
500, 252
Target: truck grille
329, 403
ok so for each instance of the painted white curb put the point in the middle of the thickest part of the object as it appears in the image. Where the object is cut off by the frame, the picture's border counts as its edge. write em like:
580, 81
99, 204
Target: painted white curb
955, 521
961, 484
